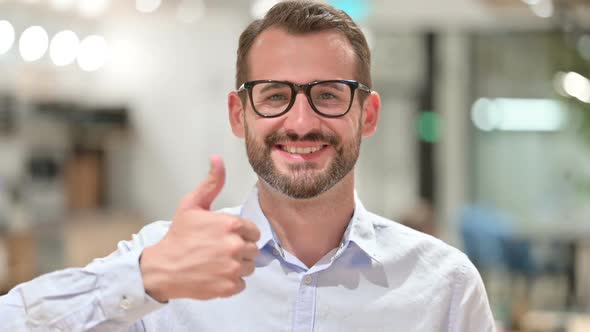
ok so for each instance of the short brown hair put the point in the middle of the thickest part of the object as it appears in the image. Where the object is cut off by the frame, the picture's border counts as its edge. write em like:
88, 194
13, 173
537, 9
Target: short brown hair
300, 17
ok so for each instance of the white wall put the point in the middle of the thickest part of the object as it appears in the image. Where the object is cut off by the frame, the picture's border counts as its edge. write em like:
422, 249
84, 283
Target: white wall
177, 88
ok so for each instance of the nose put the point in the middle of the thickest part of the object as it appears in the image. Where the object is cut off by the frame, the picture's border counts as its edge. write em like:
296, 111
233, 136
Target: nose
301, 119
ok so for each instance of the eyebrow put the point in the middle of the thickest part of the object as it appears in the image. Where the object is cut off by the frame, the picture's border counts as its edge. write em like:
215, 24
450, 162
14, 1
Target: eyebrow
272, 86
334, 85
276, 85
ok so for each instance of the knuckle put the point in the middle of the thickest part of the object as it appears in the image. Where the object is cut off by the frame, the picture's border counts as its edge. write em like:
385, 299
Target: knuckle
232, 287
235, 246
233, 269
255, 230
254, 249
233, 223
249, 269
250, 252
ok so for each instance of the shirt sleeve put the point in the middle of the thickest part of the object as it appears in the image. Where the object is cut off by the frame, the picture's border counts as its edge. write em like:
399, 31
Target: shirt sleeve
470, 308
105, 295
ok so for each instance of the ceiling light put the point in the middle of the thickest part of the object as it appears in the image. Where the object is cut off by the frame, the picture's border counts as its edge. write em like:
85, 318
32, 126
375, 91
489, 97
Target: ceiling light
543, 8
6, 36
577, 86
92, 54
64, 48
516, 114
33, 43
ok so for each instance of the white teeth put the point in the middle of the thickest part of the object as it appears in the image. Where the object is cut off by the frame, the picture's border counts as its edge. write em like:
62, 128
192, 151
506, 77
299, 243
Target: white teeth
295, 150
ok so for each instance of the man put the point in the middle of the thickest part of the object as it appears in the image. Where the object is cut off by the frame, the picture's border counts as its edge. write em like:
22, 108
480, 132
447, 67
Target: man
301, 254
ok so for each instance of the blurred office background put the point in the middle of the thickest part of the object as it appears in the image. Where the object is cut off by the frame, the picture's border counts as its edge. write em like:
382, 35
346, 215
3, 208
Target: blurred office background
110, 109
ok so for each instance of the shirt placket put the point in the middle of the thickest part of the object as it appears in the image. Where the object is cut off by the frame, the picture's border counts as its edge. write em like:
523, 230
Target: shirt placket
305, 303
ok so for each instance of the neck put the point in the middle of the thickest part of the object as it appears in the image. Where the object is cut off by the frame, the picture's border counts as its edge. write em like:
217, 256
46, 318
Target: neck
309, 228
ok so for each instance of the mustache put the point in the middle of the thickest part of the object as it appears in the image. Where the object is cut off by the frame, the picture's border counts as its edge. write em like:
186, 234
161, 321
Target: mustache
314, 136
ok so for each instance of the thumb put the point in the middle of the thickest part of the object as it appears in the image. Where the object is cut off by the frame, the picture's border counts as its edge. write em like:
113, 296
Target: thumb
208, 190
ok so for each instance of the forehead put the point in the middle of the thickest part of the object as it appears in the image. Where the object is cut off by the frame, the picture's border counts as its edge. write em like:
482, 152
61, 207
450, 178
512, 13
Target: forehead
301, 58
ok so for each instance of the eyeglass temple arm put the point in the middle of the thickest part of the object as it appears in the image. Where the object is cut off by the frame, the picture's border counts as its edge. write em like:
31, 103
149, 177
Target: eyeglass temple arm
364, 87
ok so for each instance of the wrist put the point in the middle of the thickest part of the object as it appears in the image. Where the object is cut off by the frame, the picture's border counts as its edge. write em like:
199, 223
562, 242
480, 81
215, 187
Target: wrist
152, 275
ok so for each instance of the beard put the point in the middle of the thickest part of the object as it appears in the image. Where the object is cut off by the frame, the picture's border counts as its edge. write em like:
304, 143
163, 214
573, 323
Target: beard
302, 180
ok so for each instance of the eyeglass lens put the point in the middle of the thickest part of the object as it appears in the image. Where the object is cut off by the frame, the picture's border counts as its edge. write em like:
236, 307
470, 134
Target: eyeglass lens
330, 98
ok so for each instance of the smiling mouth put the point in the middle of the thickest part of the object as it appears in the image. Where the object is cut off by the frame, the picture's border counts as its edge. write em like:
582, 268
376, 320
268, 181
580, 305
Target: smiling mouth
301, 150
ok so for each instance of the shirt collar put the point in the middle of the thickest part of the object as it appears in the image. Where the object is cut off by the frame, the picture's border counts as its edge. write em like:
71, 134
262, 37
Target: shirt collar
360, 230
252, 211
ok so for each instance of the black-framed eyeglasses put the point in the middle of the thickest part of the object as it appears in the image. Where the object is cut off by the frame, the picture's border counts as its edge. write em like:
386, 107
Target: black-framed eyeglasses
332, 98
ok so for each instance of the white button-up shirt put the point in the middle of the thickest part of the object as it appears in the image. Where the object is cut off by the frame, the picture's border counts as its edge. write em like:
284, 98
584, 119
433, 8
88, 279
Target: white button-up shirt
383, 277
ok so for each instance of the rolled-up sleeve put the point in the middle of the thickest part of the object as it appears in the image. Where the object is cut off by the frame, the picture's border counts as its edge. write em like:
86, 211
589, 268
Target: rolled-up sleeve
106, 295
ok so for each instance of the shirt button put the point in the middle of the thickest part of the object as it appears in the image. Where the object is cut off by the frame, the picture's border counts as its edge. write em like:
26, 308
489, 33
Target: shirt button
275, 252
307, 280
125, 303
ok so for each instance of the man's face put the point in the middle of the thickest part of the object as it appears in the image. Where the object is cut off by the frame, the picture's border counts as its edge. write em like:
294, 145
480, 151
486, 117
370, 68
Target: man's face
301, 153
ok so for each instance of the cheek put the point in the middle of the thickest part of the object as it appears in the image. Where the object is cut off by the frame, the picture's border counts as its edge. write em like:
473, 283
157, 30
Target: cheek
348, 127
259, 128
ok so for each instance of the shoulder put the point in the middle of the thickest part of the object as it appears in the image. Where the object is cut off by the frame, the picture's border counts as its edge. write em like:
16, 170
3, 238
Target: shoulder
398, 244
429, 266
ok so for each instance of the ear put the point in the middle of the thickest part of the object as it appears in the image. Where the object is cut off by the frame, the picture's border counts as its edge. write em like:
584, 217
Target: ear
236, 114
370, 114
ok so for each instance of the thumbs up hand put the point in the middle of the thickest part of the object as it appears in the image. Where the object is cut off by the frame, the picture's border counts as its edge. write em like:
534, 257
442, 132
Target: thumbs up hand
205, 254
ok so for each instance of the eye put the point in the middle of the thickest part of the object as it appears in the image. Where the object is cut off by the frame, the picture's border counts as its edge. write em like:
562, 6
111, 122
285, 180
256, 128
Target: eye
277, 97
326, 95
